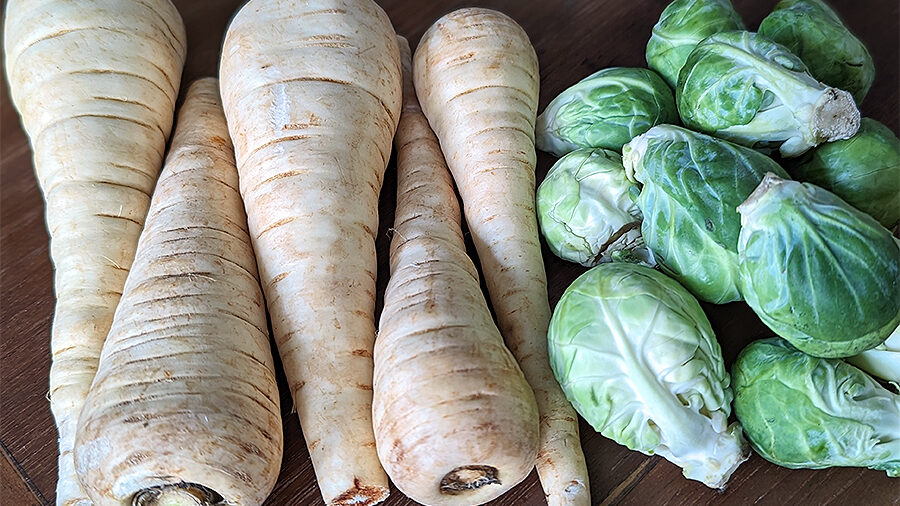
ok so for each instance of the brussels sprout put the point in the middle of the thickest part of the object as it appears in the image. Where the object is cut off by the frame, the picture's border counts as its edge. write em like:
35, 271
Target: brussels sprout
637, 358
805, 412
682, 25
585, 207
883, 360
605, 110
693, 184
864, 170
820, 273
743, 87
815, 33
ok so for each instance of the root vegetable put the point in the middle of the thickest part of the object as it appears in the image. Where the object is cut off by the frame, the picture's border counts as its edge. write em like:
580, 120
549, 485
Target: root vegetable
455, 421
185, 403
312, 95
95, 83
476, 76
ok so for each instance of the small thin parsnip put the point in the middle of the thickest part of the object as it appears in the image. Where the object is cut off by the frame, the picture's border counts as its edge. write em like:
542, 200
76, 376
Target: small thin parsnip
455, 421
476, 75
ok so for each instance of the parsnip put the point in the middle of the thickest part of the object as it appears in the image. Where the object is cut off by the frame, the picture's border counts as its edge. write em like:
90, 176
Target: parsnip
95, 83
185, 400
312, 95
476, 75
455, 421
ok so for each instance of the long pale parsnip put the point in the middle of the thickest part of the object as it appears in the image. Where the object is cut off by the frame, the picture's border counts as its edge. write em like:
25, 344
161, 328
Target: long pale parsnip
312, 95
95, 83
476, 75
185, 403
455, 421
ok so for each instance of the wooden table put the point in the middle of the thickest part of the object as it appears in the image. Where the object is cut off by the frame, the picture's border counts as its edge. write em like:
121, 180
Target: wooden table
573, 38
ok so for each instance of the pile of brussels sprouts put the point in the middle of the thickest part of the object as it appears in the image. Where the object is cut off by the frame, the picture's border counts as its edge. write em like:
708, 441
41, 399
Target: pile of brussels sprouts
665, 213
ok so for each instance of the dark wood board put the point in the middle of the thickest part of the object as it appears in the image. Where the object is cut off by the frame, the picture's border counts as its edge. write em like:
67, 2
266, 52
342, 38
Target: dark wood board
573, 38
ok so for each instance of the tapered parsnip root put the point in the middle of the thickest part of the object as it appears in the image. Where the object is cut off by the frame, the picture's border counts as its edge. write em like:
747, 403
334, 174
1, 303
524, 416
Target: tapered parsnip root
95, 83
455, 421
184, 408
312, 96
476, 75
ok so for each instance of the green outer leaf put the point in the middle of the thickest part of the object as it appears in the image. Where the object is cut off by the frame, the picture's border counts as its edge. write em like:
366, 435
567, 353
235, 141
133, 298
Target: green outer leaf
745, 88
799, 411
636, 356
692, 185
686, 251
815, 33
681, 26
864, 170
585, 209
605, 110
817, 271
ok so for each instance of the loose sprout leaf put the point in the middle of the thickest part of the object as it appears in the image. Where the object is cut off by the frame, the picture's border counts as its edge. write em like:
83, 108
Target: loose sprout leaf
883, 360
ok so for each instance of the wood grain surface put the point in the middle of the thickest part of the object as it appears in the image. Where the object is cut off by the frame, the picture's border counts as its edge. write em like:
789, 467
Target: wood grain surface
573, 38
